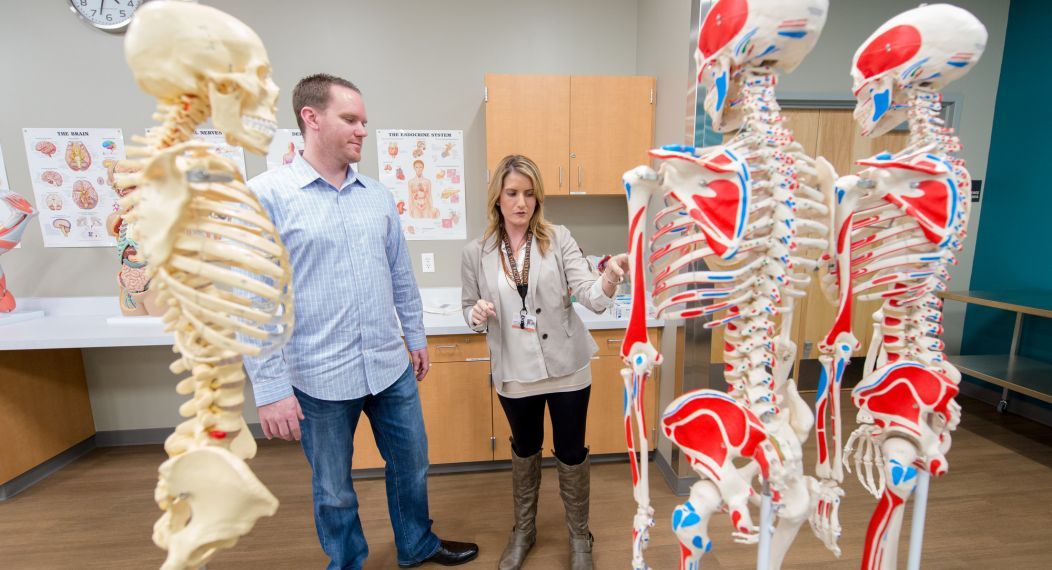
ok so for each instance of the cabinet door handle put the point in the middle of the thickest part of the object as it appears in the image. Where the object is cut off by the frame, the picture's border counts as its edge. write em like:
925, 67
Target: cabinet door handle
611, 340
560, 176
578, 176
477, 359
449, 346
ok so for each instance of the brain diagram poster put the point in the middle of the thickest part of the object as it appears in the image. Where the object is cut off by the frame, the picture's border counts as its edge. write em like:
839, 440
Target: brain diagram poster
424, 170
72, 176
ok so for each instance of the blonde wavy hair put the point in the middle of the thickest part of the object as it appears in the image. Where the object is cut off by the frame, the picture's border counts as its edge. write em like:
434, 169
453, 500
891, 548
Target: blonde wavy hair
542, 229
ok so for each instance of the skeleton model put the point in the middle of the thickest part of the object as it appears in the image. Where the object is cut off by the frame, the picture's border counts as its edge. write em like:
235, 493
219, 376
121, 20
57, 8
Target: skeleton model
215, 258
750, 208
898, 223
15, 213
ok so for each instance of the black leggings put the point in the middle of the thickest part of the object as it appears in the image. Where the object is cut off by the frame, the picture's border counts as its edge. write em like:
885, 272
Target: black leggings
568, 410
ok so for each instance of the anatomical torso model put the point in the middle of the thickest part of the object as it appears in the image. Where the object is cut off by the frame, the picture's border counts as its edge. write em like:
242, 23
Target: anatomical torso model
15, 213
750, 209
898, 224
215, 259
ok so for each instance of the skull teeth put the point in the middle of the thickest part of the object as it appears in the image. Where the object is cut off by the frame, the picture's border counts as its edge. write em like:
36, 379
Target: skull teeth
260, 125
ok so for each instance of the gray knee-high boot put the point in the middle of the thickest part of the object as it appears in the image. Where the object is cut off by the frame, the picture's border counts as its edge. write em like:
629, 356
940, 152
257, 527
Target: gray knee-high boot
574, 488
525, 486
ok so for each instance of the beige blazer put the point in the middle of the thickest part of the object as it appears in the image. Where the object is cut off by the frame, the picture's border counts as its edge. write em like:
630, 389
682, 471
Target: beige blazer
565, 342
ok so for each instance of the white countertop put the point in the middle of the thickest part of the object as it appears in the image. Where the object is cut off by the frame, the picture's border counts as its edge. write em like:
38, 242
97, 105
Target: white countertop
91, 322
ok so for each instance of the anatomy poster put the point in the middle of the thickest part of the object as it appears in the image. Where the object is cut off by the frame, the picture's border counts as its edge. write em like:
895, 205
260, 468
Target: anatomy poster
284, 147
219, 146
72, 176
425, 172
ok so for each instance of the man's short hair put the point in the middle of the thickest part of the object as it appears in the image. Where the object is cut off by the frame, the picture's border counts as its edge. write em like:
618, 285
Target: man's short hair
314, 91
418, 161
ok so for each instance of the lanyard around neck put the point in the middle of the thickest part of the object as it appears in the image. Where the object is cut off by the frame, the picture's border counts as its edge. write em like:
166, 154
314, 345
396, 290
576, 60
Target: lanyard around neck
522, 280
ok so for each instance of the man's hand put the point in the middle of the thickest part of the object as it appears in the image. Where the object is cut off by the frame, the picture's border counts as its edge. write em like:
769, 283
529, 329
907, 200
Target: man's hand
281, 419
421, 363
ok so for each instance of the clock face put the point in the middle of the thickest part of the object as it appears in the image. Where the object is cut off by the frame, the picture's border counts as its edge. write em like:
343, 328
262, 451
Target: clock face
108, 15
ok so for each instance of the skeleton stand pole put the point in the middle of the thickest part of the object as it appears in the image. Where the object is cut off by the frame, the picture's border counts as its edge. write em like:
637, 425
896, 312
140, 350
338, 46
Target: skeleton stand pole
763, 551
920, 508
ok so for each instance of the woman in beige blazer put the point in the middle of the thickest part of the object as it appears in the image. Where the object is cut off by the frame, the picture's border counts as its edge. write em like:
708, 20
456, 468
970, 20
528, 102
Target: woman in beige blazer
517, 281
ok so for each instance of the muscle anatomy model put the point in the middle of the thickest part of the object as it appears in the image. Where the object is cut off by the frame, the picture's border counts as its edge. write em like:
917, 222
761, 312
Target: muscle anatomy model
15, 213
749, 208
898, 224
216, 260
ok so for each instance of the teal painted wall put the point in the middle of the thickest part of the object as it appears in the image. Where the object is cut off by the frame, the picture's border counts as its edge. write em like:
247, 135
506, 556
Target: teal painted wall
1013, 241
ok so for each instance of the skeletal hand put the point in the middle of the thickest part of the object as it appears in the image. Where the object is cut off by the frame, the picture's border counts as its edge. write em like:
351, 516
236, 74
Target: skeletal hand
868, 458
751, 536
825, 517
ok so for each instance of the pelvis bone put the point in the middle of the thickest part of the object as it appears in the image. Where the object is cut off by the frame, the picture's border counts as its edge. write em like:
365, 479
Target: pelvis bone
210, 498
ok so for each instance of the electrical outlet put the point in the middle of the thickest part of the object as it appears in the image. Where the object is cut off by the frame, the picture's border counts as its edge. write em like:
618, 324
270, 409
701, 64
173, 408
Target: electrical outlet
808, 345
427, 262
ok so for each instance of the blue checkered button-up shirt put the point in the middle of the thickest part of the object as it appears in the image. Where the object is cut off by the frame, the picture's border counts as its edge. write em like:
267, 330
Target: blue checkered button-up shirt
351, 272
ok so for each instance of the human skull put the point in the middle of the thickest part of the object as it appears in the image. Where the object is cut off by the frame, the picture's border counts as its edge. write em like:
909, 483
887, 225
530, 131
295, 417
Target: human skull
928, 47
736, 33
178, 49
210, 499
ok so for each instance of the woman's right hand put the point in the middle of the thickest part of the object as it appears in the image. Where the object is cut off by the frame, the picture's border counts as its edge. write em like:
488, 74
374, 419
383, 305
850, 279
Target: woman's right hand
482, 310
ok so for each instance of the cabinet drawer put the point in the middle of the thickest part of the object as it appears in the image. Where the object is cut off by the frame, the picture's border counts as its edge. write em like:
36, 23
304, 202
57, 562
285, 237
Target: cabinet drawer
457, 348
609, 340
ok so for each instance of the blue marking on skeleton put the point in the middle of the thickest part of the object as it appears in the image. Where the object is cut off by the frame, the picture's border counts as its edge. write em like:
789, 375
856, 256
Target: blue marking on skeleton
884, 156
708, 546
738, 47
840, 195
769, 49
881, 102
909, 70
698, 542
720, 277
678, 148
628, 190
931, 258
721, 90
795, 34
823, 383
957, 63
624, 401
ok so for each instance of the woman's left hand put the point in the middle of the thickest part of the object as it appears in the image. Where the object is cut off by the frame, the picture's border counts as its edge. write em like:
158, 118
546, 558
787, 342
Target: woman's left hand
616, 268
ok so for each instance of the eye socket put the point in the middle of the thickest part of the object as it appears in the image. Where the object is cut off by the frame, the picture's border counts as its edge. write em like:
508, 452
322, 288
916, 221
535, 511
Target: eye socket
225, 87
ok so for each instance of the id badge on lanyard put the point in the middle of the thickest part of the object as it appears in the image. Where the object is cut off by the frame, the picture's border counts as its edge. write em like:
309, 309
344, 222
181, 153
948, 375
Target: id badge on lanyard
523, 321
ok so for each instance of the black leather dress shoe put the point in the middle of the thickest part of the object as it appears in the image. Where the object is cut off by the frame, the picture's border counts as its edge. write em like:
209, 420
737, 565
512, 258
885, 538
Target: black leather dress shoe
450, 553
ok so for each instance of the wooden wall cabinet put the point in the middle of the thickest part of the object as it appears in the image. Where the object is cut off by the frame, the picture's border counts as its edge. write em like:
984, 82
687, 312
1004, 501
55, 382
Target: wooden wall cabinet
583, 132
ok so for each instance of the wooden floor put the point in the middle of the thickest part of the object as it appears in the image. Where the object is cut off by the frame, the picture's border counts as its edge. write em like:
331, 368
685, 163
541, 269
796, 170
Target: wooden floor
993, 510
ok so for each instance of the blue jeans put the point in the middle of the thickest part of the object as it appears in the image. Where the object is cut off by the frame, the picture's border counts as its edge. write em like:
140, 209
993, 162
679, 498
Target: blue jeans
328, 442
